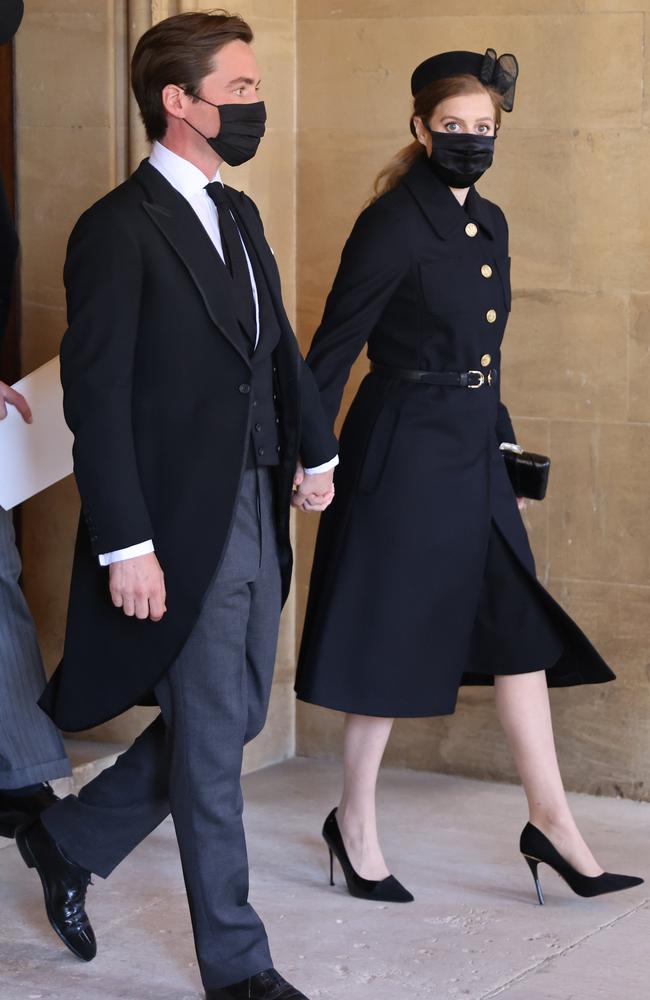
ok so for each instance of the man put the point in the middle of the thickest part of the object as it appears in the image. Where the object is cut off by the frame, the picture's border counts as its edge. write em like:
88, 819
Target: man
31, 749
190, 405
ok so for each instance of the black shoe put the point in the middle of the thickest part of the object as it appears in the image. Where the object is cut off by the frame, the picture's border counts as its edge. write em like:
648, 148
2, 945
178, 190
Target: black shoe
267, 985
18, 810
64, 887
537, 849
388, 890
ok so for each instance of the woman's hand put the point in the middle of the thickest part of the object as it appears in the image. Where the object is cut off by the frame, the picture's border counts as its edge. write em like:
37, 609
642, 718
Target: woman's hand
312, 492
522, 504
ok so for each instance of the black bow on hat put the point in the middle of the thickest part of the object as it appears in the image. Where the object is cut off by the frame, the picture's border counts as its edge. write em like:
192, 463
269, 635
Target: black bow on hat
499, 73
11, 14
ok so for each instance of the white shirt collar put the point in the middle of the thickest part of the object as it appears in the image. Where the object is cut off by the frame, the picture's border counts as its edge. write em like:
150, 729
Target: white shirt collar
181, 174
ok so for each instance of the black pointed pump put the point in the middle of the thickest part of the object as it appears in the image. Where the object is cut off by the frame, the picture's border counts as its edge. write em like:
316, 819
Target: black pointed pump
387, 890
537, 849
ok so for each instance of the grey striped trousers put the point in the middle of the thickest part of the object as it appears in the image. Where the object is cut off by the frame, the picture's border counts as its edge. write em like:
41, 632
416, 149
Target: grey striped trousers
31, 749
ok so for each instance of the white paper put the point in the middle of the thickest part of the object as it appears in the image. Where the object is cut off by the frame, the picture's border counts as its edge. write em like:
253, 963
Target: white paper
33, 456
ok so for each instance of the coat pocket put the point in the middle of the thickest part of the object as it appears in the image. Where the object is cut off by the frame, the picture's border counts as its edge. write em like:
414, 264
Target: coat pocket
378, 449
443, 284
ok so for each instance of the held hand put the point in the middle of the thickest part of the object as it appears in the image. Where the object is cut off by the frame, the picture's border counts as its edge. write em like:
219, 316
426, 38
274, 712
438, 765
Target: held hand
521, 503
314, 493
299, 476
138, 587
9, 395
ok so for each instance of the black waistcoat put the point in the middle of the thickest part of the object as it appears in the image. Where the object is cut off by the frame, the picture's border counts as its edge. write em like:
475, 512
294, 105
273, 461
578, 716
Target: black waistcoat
265, 441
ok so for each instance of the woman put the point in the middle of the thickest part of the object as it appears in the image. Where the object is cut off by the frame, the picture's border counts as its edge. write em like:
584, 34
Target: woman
423, 577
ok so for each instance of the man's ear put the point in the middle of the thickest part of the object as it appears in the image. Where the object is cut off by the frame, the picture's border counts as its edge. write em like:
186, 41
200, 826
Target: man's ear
174, 100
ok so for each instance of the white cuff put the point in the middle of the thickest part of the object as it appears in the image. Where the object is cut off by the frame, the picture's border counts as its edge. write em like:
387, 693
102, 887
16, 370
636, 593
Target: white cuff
507, 446
333, 462
141, 549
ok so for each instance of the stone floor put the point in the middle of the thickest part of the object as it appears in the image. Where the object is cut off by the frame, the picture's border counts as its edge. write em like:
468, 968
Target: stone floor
475, 930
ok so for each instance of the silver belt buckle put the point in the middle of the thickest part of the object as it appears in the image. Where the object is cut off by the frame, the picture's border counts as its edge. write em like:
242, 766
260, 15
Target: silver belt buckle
481, 380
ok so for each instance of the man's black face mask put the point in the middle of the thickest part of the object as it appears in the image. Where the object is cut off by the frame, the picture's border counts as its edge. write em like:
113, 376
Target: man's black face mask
242, 127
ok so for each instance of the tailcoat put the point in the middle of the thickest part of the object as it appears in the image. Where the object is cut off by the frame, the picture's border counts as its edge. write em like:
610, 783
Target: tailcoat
423, 577
157, 390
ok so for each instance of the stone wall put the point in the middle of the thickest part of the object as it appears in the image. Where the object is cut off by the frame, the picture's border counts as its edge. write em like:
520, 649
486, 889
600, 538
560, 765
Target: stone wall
570, 174
78, 136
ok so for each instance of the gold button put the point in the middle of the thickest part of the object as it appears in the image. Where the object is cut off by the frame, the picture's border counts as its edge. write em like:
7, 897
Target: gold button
471, 229
491, 315
485, 360
486, 271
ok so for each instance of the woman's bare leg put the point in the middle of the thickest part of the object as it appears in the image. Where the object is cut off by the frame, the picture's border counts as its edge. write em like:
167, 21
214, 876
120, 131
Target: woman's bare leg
524, 711
364, 744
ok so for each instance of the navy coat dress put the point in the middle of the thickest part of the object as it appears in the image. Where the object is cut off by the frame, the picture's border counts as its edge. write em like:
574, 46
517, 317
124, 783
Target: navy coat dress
423, 577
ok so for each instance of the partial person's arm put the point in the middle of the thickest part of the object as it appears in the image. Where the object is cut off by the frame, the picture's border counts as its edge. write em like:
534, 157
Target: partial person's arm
505, 430
314, 478
103, 276
374, 261
12, 398
8, 255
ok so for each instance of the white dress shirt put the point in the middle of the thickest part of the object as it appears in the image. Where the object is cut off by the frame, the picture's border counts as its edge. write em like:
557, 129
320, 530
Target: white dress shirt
191, 182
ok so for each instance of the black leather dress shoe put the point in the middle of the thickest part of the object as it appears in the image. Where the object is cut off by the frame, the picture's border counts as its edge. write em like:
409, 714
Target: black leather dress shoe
267, 985
64, 887
18, 810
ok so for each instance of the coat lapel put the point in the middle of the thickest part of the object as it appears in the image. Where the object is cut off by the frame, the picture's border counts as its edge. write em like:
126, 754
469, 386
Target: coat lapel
434, 199
479, 210
446, 215
254, 233
173, 216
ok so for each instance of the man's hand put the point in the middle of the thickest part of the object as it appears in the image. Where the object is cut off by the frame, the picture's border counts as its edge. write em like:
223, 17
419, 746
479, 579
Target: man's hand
138, 587
521, 503
9, 395
313, 493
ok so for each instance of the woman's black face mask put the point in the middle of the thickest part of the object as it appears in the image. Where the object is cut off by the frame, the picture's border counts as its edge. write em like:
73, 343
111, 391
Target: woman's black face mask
460, 159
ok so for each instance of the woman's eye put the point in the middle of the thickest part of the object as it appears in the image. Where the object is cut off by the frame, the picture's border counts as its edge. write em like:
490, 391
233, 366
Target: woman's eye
452, 126
483, 129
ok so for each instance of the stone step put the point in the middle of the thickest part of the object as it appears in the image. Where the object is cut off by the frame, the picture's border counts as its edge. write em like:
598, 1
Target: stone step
88, 758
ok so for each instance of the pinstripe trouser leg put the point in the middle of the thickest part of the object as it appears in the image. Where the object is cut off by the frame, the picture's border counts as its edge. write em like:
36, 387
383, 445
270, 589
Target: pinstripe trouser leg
31, 749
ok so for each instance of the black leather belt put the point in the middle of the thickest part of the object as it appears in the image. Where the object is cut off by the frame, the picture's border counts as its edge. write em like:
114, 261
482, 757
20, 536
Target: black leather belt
462, 380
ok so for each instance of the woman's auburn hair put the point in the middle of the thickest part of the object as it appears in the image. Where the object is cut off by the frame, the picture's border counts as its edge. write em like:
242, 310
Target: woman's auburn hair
425, 103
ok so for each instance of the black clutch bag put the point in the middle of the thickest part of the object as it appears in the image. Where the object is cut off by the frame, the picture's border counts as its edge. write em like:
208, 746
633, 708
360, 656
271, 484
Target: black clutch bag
528, 473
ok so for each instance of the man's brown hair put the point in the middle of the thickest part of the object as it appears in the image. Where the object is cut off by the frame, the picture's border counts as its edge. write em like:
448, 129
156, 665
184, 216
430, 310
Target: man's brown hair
180, 50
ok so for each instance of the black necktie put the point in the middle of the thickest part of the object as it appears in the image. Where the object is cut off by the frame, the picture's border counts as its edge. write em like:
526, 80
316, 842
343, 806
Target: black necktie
235, 258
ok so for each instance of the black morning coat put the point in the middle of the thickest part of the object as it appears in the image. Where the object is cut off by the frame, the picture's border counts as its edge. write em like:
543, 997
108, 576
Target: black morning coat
423, 577
156, 379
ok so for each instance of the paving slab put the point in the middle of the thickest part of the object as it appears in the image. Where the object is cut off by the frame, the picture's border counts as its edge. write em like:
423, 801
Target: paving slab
474, 931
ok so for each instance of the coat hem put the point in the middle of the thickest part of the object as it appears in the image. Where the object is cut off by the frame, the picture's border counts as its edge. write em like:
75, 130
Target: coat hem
376, 714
